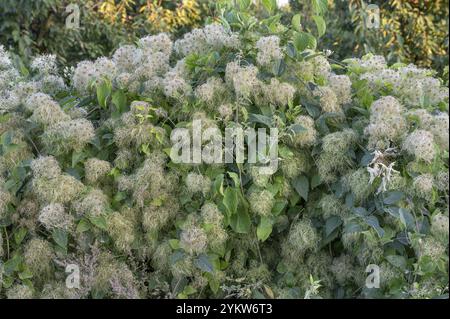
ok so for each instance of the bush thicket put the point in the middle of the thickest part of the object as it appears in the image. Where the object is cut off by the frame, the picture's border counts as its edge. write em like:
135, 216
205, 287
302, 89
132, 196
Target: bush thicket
86, 176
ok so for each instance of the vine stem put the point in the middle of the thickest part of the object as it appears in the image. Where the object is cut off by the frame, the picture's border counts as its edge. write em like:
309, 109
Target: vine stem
7, 242
259, 250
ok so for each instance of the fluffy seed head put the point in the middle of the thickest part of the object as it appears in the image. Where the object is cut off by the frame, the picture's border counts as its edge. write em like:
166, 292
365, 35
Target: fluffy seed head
54, 216
423, 186
193, 240
197, 183
96, 169
261, 202
62, 189
342, 87
38, 257
420, 144
301, 238
440, 227
307, 137
268, 50
45, 167
66, 136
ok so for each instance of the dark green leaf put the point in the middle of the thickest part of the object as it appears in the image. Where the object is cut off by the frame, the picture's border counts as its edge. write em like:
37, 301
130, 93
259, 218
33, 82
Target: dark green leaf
203, 263
332, 224
60, 237
373, 222
393, 197
360, 211
406, 218
12, 265
259, 118
397, 261
301, 185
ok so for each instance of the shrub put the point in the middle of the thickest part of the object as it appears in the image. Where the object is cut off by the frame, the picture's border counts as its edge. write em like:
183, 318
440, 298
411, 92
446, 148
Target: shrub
359, 183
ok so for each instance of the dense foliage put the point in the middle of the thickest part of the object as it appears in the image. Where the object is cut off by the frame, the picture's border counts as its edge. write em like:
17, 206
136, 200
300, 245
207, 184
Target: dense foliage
410, 31
32, 27
87, 180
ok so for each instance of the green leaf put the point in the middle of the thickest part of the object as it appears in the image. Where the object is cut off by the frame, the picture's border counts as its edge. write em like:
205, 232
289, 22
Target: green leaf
25, 274
12, 265
393, 197
406, 218
291, 51
301, 185
103, 92
296, 22
235, 178
303, 41
269, 5
244, 4
5, 118
332, 224
176, 256
60, 237
218, 184
19, 235
6, 139
203, 263
319, 6
99, 221
189, 290
373, 222
259, 118
350, 200
11, 148
296, 128
312, 110
77, 157
320, 24
264, 228
119, 99
315, 181
83, 225
352, 227
230, 200
241, 222
397, 261
279, 67
278, 207
174, 244
214, 284
360, 211
119, 196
